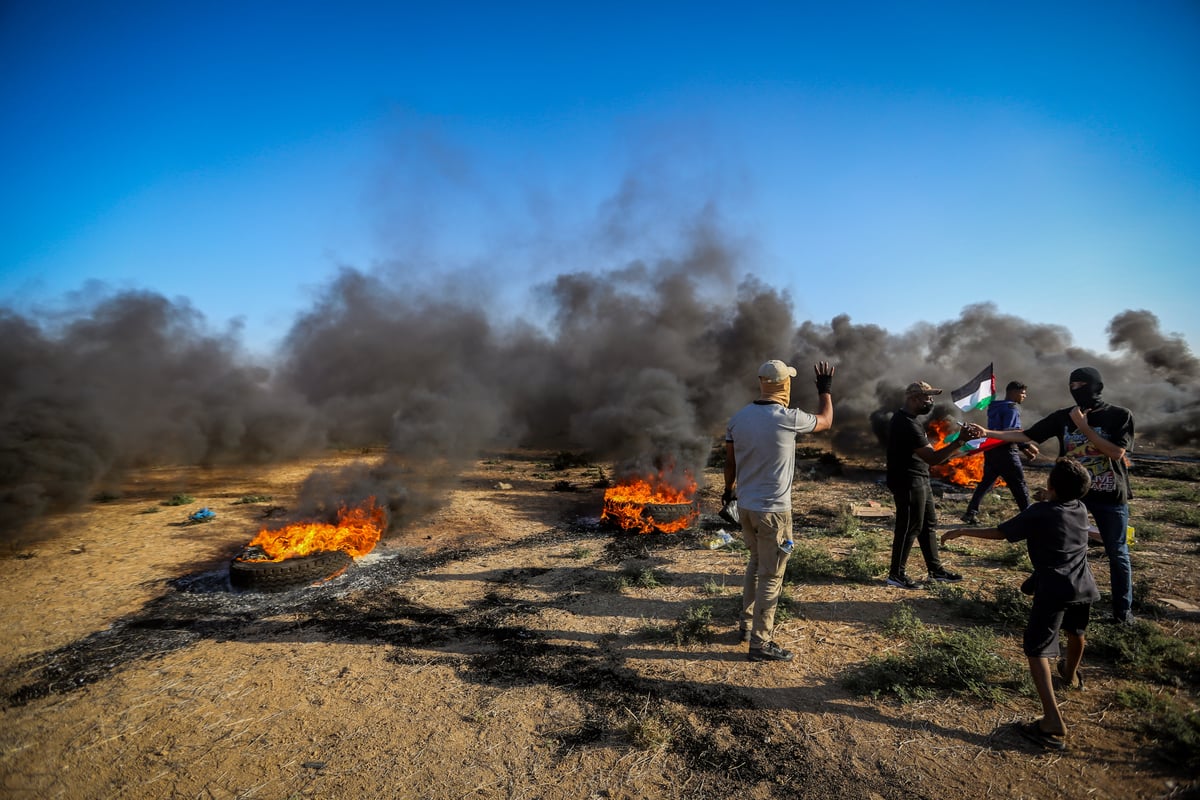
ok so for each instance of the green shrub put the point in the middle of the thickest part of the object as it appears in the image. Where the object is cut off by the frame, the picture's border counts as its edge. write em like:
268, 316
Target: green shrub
808, 561
1013, 556
253, 498
1186, 516
694, 626
904, 623
179, 500
935, 661
1000, 603
1176, 736
1144, 650
861, 565
1140, 697
1148, 532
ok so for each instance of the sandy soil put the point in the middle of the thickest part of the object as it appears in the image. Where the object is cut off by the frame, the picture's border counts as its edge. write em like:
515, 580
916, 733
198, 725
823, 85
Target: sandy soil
485, 653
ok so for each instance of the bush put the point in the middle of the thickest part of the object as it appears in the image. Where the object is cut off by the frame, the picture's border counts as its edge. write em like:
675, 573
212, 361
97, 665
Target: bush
179, 500
1176, 735
999, 603
694, 626
936, 661
641, 577
1146, 651
253, 498
808, 561
1013, 556
1187, 516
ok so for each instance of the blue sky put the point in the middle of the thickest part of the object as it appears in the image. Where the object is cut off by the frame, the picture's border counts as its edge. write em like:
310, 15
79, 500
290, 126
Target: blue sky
890, 161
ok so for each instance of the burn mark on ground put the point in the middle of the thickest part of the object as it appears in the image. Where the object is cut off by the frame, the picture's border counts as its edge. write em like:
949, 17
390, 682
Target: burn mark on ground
719, 731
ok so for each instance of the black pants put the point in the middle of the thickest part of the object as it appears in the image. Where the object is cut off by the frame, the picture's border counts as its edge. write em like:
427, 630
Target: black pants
1002, 463
915, 518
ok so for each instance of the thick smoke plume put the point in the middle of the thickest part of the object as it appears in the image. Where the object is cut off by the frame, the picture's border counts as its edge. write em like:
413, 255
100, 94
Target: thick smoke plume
639, 361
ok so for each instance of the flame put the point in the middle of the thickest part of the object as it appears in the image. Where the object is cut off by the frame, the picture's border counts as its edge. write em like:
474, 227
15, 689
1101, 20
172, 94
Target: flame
357, 532
958, 470
626, 503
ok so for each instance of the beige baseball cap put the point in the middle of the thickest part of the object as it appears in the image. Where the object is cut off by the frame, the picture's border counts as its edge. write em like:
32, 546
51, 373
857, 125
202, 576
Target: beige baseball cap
776, 371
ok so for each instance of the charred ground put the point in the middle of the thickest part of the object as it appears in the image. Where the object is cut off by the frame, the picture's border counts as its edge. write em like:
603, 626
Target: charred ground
492, 651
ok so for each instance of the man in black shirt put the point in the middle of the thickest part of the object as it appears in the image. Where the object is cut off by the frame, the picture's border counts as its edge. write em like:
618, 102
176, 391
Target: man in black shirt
909, 456
1097, 435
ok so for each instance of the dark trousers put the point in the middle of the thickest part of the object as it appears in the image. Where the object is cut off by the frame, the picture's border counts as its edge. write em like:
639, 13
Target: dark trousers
1002, 463
915, 518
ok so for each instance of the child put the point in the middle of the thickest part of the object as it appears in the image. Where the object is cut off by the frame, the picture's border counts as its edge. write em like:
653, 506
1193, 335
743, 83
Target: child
1063, 588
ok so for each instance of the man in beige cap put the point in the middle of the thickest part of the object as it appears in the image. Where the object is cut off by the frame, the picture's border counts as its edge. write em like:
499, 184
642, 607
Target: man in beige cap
909, 456
760, 457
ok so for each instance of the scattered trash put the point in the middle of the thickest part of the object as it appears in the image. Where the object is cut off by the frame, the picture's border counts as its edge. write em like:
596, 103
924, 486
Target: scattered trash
77, 550
504, 487
719, 540
1180, 605
205, 514
871, 508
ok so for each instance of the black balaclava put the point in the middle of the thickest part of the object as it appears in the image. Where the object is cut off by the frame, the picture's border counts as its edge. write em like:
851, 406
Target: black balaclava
1086, 396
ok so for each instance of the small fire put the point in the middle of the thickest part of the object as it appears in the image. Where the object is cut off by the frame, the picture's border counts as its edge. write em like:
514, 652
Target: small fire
357, 532
626, 504
958, 470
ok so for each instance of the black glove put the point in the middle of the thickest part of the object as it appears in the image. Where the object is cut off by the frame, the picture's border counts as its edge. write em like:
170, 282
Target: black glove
824, 384
727, 496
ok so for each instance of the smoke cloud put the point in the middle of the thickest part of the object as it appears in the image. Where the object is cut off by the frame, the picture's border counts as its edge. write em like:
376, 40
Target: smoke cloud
645, 360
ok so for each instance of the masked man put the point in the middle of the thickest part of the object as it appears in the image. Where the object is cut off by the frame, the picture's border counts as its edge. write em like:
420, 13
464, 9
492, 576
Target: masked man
1097, 435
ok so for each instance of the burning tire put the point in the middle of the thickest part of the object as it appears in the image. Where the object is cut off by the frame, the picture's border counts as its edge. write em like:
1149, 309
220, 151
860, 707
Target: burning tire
274, 576
668, 512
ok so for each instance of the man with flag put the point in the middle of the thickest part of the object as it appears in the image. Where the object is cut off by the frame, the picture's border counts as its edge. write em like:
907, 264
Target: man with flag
909, 457
1003, 462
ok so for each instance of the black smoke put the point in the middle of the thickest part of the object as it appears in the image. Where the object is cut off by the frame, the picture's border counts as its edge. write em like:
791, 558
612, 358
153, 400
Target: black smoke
638, 362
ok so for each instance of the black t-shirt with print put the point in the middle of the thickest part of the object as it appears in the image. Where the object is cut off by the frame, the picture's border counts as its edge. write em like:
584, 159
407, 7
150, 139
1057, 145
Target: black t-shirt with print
1110, 479
906, 436
1057, 536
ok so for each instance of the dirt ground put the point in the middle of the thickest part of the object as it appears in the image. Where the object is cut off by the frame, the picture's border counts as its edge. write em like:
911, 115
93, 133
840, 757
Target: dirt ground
485, 653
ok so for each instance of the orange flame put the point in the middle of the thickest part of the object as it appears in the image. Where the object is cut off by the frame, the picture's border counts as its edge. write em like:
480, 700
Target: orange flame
357, 532
626, 504
958, 470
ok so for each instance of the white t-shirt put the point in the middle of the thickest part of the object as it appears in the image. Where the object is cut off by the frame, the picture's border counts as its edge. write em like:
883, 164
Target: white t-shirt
764, 446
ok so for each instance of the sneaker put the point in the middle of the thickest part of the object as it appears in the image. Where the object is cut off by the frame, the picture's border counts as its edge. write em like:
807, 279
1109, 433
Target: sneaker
902, 582
945, 576
970, 518
770, 652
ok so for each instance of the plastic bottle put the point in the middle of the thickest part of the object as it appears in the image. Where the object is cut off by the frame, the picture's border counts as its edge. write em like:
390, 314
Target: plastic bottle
1129, 536
787, 546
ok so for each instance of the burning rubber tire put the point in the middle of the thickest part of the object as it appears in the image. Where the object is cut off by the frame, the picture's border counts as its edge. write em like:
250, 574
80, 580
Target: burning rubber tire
667, 512
275, 576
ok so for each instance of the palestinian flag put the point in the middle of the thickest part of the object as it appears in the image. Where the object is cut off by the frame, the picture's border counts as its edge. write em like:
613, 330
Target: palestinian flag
980, 445
977, 392
972, 445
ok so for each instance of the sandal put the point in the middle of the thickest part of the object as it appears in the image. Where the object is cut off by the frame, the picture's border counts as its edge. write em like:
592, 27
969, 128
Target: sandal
1034, 733
1062, 673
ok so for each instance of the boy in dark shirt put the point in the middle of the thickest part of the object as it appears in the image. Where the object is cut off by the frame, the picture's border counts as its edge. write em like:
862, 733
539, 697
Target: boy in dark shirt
1099, 435
1056, 532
